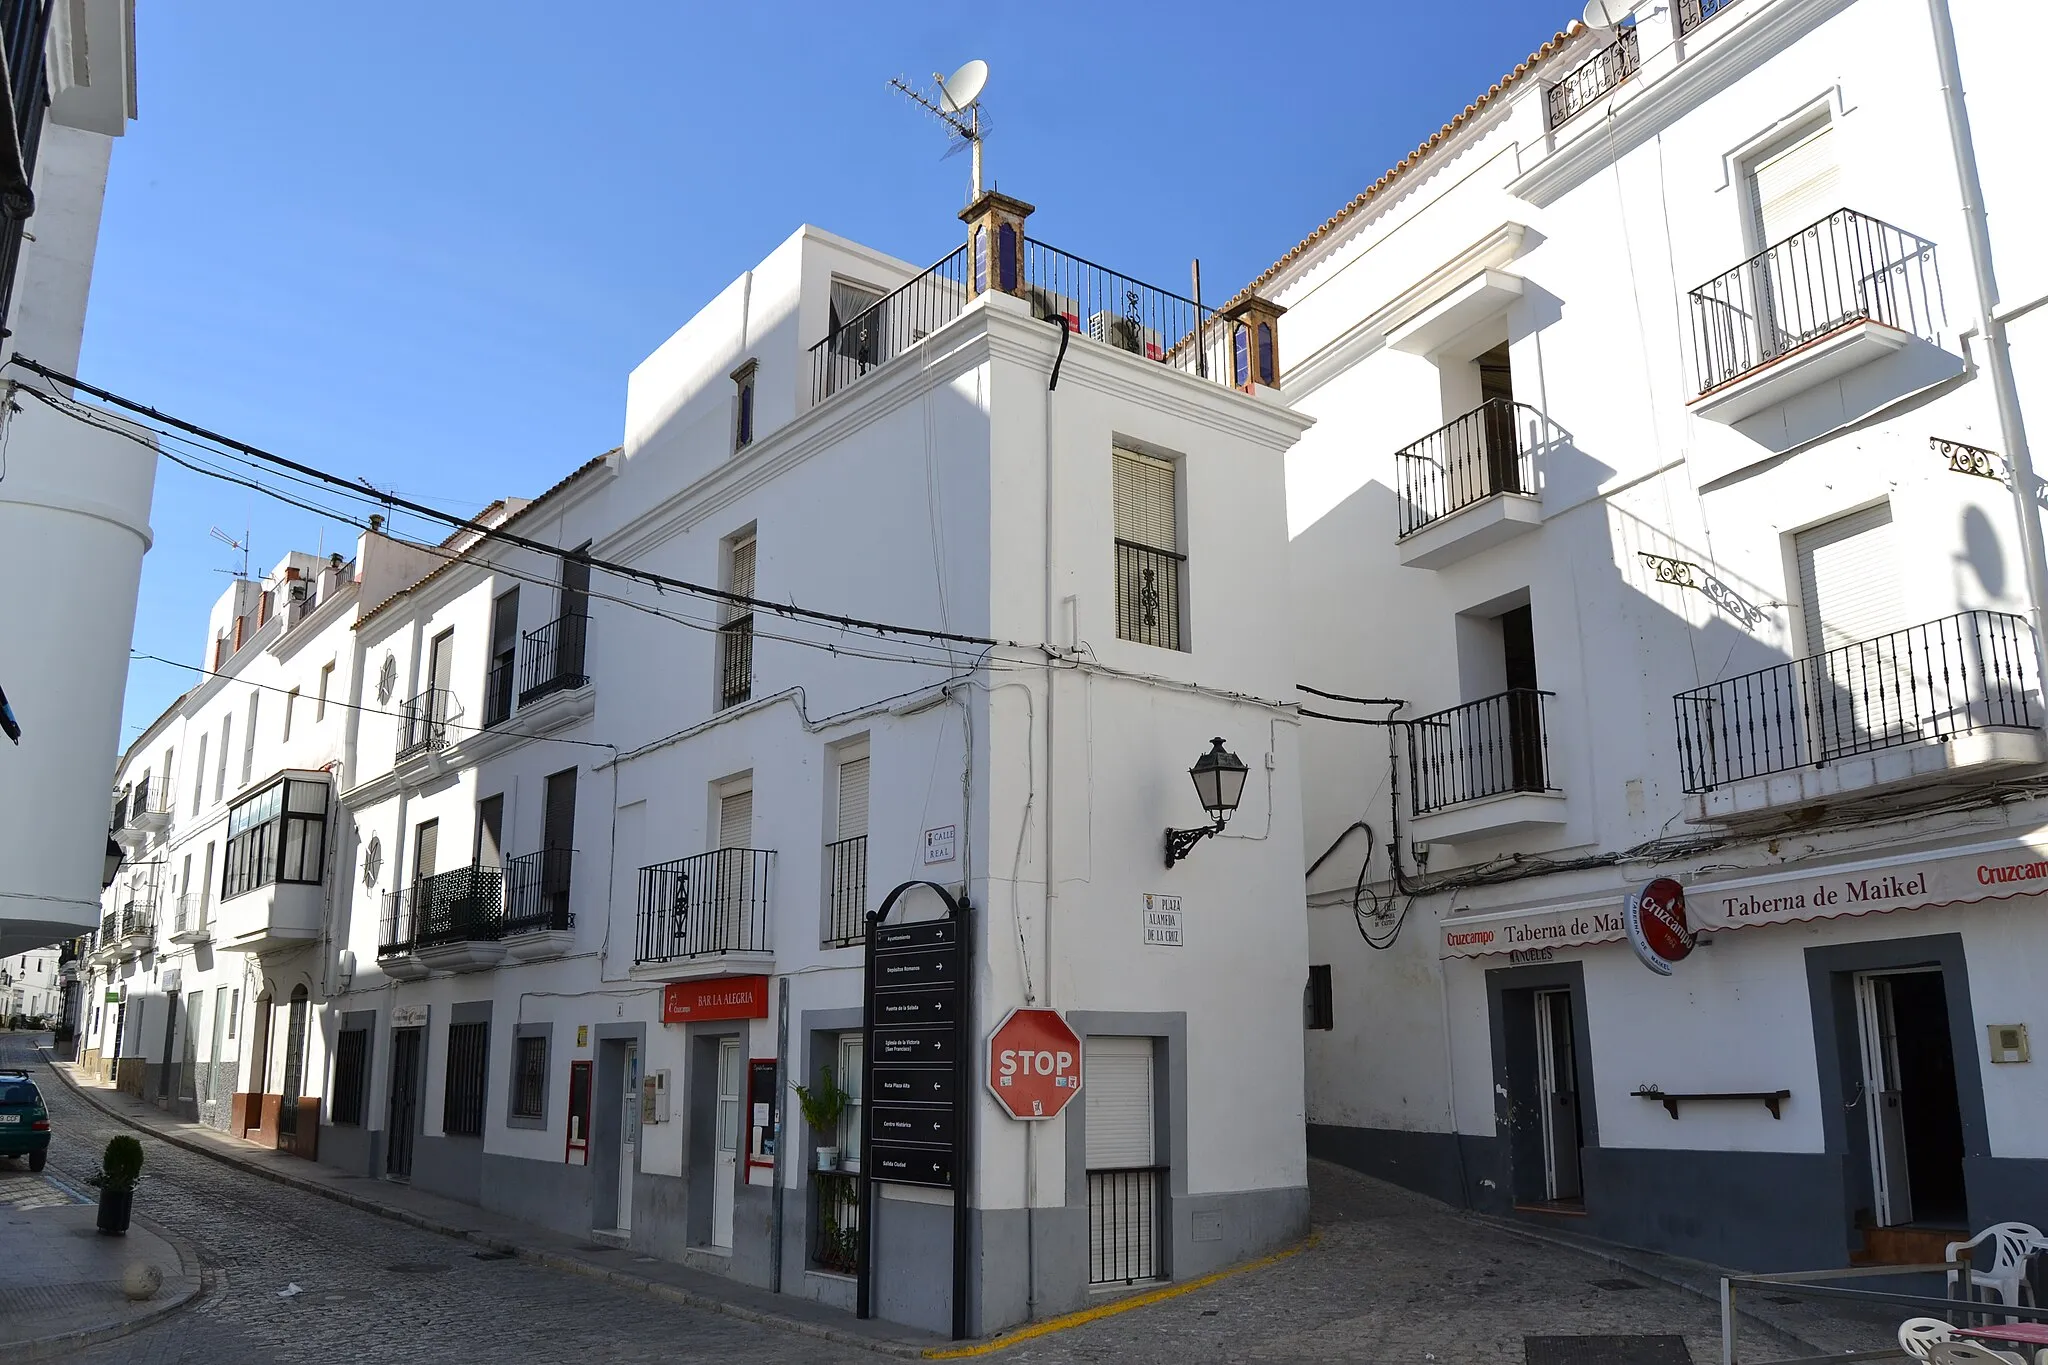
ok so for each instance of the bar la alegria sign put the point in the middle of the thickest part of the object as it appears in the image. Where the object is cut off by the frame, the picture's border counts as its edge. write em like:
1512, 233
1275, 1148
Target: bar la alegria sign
1986, 872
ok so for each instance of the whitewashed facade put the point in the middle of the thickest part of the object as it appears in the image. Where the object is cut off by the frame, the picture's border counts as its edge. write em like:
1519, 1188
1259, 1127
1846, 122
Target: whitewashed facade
74, 500
1641, 395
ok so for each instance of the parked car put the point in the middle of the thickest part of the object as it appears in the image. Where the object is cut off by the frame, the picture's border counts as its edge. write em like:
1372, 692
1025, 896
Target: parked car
24, 1121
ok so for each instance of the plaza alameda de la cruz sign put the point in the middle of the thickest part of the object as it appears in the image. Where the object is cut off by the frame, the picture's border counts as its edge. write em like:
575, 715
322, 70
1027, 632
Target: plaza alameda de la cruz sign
1955, 876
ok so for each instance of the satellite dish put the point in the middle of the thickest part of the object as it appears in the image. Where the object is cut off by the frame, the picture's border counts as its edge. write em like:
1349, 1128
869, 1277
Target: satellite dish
1606, 13
961, 89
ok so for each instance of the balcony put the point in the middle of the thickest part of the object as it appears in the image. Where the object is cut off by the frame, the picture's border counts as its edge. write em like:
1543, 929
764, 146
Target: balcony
1595, 77
553, 658
395, 951
704, 916
1148, 595
846, 892
736, 660
1935, 704
458, 918
1839, 294
499, 680
150, 808
1482, 769
106, 948
188, 919
277, 916
1099, 305
423, 726
1690, 14
538, 921
130, 931
1470, 484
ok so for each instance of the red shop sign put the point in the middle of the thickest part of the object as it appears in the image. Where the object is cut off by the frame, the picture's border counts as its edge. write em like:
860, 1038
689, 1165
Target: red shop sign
1657, 927
717, 997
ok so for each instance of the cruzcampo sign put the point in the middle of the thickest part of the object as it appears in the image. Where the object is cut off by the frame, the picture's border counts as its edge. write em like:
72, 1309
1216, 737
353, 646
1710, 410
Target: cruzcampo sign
1655, 920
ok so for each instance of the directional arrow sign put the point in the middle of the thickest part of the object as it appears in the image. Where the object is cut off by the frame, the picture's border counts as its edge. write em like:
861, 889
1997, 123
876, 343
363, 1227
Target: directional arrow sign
913, 1085
911, 1165
915, 1044
931, 1127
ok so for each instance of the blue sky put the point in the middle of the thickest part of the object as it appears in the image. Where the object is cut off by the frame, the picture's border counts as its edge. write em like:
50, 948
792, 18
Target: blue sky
426, 251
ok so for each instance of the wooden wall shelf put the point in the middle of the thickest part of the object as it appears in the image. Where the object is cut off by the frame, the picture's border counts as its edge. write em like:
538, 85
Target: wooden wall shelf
1771, 1099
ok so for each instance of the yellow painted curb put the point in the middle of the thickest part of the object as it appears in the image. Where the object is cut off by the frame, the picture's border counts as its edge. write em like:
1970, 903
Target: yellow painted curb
1110, 1310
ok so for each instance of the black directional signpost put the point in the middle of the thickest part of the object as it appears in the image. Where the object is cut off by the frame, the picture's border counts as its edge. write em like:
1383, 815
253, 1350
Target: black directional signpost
916, 1084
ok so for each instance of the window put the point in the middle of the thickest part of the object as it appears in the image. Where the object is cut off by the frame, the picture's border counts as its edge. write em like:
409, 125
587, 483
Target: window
1792, 187
206, 881
351, 1076
1123, 1180
234, 1012
849, 1064
291, 702
498, 684
249, 739
846, 857
736, 636
1319, 1007
1148, 562
530, 1076
277, 835
199, 777
743, 406
220, 776
320, 703
463, 1101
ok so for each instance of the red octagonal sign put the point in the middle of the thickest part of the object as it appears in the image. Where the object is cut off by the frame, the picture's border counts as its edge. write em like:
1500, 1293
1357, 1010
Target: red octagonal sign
1034, 1063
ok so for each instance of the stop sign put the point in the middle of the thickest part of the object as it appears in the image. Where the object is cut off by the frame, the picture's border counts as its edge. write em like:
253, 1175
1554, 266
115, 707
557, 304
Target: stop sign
1034, 1063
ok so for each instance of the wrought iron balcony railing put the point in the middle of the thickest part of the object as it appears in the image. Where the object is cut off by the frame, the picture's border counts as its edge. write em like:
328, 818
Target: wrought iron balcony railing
394, 925
1125, 1207
499, 680
1148, 594
424, 724
1595, 76
1098, 303
189, 913
713, 903
1972, 671
1490, 747
1468, 459
846, 891
138, 919
461, 905
736, 660
1690, 14
1845, 269
554, 657
537, 891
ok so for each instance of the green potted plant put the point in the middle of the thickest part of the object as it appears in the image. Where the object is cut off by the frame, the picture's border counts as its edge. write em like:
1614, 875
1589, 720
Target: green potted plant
119, 1173
824, 1105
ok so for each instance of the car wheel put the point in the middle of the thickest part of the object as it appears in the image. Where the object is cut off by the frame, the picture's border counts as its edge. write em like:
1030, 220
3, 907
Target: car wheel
36, 1160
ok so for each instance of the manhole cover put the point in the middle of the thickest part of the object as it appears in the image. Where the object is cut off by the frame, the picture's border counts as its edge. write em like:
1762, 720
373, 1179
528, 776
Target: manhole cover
417, 1268
1594, 1350
1616, 1284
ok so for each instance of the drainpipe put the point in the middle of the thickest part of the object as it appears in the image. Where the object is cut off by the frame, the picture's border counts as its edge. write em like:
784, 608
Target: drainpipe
1997, 354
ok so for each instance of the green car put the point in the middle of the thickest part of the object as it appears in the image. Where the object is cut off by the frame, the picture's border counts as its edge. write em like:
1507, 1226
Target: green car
24, 1122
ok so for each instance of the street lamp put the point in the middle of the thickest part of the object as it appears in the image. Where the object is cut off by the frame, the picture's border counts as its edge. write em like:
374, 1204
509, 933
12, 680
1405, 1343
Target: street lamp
113, 867
1219, 783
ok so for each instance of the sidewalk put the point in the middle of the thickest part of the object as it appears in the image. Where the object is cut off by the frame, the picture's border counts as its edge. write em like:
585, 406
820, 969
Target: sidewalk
495, 1232
60, 1278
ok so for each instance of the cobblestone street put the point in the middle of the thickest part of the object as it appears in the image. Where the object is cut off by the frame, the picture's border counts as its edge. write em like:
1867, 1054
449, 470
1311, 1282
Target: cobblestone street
1393, 1278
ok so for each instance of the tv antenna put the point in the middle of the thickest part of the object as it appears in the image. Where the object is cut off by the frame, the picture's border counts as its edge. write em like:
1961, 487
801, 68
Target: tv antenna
243, 545
956, 103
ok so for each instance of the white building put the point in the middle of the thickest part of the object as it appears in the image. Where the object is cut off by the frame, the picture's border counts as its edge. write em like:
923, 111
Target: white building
74, 502
29, 985
678, 807
1641, 391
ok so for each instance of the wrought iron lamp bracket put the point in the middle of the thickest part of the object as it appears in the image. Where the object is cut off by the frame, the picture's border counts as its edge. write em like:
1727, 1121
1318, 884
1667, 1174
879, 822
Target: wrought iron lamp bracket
1181, 842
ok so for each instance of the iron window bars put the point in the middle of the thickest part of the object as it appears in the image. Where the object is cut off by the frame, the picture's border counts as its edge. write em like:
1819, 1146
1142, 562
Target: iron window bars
424, 724
554, 657
835, 1221
351, 1075
1468, 459
468, 1063
1490, 747
394, 926
1148, 594
1930, 682
714, 902
529, 1076
1845, 269
846, 891
537, 892
1124, 1208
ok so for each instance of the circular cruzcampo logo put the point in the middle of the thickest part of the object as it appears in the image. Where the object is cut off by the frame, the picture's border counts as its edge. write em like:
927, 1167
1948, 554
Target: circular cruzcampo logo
1657, 929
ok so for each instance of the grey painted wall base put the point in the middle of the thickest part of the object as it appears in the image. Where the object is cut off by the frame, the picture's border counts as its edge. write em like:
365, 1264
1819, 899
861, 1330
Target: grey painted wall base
553, 1194
449, 1166
1425, 1162
347, 1147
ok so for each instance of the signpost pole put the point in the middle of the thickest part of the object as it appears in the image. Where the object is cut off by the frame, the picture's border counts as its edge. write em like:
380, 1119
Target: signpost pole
963, 1108
864, 1260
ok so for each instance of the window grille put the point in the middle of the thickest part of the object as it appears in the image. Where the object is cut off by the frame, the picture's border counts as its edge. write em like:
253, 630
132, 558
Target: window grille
1149, 565
351, 1076
468, 1056
530, 1077
736, 636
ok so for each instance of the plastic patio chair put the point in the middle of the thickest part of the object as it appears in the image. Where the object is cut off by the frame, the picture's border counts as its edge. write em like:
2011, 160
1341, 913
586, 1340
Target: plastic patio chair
2012, 1246
1969, 1353
1919, 1336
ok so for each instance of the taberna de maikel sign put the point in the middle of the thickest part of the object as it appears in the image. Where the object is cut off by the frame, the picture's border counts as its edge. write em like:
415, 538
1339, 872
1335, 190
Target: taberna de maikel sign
1656, 924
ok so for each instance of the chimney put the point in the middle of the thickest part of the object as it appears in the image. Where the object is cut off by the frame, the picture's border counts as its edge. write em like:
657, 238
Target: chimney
995, 244
1255, 342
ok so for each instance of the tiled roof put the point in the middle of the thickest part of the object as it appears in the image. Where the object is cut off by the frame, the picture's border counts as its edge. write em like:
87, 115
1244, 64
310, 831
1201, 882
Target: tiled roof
1343, 215
462, 557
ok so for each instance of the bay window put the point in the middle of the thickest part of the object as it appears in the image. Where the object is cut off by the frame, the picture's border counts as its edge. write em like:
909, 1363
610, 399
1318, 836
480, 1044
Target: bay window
277, 835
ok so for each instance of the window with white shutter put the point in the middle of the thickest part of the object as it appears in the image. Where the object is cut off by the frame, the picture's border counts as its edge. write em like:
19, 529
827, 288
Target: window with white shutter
735, 819
1125, 1187
1848, 579
1793, 187
736, 636
853, 797
1149, 564
846, 852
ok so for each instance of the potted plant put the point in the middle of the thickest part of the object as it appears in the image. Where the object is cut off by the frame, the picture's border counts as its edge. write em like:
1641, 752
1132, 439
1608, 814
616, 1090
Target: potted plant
120, 1171
824, 1105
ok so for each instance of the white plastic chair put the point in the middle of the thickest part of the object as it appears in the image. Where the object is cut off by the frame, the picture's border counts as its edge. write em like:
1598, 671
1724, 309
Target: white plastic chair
1969, 1353
1919, 1336
2012, 1246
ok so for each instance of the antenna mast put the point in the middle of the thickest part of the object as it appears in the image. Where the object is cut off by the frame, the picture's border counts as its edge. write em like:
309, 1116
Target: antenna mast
958, 106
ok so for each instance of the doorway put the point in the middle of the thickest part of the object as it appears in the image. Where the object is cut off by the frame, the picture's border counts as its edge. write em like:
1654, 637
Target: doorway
1558, 1088
1913, 1113
725, 1169
1543, 1071
163, 1076
402, 1117
629, 1135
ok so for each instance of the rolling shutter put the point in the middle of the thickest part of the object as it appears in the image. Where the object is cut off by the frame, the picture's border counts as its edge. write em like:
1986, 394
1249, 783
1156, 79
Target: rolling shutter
742, 573
1794, 187
426, 848
736, 819
1144, 501
853, 798
1848, 579
1117, 1090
